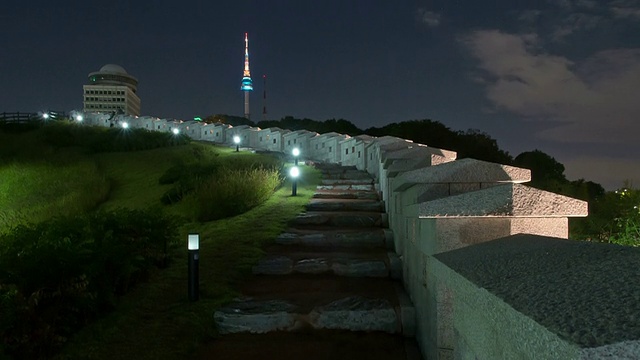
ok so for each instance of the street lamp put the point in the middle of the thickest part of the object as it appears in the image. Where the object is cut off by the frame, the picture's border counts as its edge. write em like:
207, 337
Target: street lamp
79, 118
193, 245
175, 131
294, 172
236, 140
296, 153
45, 116
125, 125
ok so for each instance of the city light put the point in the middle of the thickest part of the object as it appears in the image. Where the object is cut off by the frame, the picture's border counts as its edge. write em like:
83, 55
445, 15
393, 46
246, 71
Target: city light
125, 125
79, 117
175, 131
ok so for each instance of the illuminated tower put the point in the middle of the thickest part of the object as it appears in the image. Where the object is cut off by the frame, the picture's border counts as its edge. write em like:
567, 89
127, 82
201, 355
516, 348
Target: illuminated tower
247, 84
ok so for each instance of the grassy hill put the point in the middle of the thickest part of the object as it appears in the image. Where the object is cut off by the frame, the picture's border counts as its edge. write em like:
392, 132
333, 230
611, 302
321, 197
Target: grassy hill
61, 179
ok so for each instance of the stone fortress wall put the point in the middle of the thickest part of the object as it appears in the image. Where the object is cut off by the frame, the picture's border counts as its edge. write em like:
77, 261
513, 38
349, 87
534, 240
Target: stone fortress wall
486, 260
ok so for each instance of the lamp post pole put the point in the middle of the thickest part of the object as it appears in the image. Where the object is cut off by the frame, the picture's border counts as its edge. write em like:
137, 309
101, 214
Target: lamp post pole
296, 153
294, 172
193, 245
236, 140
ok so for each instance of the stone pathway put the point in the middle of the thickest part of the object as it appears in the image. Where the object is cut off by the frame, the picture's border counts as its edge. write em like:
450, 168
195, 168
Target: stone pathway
328, 289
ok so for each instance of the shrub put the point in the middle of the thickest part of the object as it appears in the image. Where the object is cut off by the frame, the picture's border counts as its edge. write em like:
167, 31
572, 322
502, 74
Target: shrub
57, 275
232, 192
99, 139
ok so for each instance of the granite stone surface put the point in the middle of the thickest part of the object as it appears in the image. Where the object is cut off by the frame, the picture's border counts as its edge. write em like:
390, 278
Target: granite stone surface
586, 293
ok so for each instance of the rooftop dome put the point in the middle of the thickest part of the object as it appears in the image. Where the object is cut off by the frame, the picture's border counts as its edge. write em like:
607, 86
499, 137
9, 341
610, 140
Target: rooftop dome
113, 68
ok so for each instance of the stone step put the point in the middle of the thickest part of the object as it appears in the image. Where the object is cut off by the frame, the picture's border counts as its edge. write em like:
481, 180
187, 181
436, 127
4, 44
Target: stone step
356, 187
337, 237
297, 302
345, 194
350, 174
368, 181
355, 264
357, 219
345, 205
311, 345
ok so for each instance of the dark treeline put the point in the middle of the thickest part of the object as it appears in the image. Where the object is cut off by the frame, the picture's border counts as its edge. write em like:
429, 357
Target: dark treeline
546, 172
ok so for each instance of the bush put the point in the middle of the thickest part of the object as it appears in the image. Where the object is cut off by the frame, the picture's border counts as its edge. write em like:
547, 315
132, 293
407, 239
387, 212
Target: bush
99, 139
232, 192
57, 275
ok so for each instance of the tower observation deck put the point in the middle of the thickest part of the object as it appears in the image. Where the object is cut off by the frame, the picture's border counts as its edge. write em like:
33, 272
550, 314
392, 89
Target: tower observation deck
247, 83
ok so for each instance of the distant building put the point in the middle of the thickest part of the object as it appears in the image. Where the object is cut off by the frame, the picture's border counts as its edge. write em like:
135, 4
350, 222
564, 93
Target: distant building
111, 89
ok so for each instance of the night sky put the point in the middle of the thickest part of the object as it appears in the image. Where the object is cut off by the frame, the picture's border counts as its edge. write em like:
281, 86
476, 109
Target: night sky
561, 76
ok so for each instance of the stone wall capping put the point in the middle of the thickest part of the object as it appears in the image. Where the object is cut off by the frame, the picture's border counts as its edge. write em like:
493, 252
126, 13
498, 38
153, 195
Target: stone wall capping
594, 305
463, 171
389, 157
505, 200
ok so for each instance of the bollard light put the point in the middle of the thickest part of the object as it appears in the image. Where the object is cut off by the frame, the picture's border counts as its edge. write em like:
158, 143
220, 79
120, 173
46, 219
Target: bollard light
296, 153
193, 245
236, 140
294, 172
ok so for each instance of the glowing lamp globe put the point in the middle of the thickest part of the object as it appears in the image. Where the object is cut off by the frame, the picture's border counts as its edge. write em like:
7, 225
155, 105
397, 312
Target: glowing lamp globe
294, 172
296, 152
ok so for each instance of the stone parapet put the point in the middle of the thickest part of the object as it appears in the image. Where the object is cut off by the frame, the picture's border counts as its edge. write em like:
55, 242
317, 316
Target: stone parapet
534, 297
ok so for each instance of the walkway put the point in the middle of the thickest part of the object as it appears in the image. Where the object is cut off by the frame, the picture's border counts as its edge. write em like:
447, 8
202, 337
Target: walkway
328, 289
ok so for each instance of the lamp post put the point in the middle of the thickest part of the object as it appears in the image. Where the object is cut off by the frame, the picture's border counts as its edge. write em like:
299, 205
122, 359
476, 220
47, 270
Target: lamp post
296, 153
193, 245
125, 125
236, 140
294, 173
175, 131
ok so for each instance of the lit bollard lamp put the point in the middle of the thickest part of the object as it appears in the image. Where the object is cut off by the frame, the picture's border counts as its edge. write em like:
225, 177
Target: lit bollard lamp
294, 172
193, 245
236, 140
296, 153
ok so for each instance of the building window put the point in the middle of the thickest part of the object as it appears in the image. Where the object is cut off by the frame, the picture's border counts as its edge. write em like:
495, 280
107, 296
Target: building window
274, 141
294, 141
217, 133
329, 148
346, 151
358, 154
289, 142
323, 145
260, 138
353, 149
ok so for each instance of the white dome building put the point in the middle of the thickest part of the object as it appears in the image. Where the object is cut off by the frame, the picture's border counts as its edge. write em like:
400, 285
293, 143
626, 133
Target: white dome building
111, 89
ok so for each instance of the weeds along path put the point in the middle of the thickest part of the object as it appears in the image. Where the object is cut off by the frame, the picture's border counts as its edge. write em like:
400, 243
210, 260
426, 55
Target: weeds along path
156, 321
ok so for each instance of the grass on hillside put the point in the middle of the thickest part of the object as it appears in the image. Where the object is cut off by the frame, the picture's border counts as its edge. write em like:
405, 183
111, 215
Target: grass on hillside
157, 321
70, 180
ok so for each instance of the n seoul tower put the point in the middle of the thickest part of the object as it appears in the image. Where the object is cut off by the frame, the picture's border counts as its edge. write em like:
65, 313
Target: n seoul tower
247, 83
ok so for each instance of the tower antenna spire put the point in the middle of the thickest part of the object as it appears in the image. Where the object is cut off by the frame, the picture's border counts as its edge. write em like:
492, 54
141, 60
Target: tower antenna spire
247, 83
264, 98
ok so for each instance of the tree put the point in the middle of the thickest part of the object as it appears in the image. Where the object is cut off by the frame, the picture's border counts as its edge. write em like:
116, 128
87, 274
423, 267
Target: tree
546, 172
